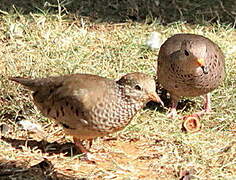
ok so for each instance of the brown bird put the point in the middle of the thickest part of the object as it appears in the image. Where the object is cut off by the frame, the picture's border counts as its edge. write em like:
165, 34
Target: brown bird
90, 106
190, 65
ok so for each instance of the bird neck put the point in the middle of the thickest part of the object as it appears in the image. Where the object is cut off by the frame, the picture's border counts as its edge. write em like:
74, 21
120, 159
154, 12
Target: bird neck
128, 101
184, 68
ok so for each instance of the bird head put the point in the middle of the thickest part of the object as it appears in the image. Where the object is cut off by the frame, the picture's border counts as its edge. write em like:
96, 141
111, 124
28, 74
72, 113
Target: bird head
189, 58
139, 87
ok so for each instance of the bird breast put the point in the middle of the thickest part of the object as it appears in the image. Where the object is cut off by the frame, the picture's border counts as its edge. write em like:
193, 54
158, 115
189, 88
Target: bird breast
113, 114
193, 84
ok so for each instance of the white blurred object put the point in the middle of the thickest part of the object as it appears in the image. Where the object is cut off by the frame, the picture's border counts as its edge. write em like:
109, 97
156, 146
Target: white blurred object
232, 50
31, 127
154, 41
15, 31
157, 2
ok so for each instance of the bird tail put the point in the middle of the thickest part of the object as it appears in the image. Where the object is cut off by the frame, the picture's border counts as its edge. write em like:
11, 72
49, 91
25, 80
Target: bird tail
32, 84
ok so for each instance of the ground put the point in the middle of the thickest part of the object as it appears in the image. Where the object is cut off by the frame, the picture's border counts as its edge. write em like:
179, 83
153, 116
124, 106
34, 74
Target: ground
152, 146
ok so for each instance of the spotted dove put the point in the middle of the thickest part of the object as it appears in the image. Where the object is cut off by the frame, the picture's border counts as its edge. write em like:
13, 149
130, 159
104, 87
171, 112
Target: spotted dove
90, 106
190, 65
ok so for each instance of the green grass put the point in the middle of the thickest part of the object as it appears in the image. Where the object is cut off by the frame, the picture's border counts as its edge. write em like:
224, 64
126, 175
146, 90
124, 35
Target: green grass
47, 44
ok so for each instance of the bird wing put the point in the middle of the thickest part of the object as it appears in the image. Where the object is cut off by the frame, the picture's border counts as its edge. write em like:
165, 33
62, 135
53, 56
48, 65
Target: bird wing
68, 99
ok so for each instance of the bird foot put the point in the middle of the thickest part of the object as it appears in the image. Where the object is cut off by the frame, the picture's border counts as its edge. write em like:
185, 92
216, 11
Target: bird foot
207, 109
198, 114
79, 146
203, 112
172, 114
88, 157
92, 158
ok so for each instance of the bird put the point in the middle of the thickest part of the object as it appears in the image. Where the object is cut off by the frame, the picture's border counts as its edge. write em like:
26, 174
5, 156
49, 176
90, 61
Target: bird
190, 65
90, 106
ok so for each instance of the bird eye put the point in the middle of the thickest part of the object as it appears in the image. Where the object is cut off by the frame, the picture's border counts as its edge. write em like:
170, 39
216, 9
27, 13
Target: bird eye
186, 53
137, 87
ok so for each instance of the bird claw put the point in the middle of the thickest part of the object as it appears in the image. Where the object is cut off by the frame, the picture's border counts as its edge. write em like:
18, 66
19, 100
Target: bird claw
203, 112
172, 114
92, 158
88, 157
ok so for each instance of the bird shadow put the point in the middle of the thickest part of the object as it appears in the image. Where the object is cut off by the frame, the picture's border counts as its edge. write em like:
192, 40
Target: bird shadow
183, 105
16, 169
68, 149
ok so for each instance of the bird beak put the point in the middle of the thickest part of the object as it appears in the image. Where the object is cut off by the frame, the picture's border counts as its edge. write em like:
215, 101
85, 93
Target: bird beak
154, 97
204, 69
201, 63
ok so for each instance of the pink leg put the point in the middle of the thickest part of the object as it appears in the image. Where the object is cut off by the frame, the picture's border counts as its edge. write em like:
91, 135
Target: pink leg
207, 103
79, 145
173, 112
85, 152
207, 107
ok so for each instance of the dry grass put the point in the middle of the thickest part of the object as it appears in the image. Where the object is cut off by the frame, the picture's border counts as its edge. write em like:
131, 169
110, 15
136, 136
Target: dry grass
152, 146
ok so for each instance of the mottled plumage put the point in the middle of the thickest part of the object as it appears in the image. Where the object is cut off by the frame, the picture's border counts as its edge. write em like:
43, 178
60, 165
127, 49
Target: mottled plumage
190, 65
89, 106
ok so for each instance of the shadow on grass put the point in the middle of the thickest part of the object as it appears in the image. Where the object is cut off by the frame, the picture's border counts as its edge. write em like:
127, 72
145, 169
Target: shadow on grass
184, 105
46, 147
169, 11
17, 169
